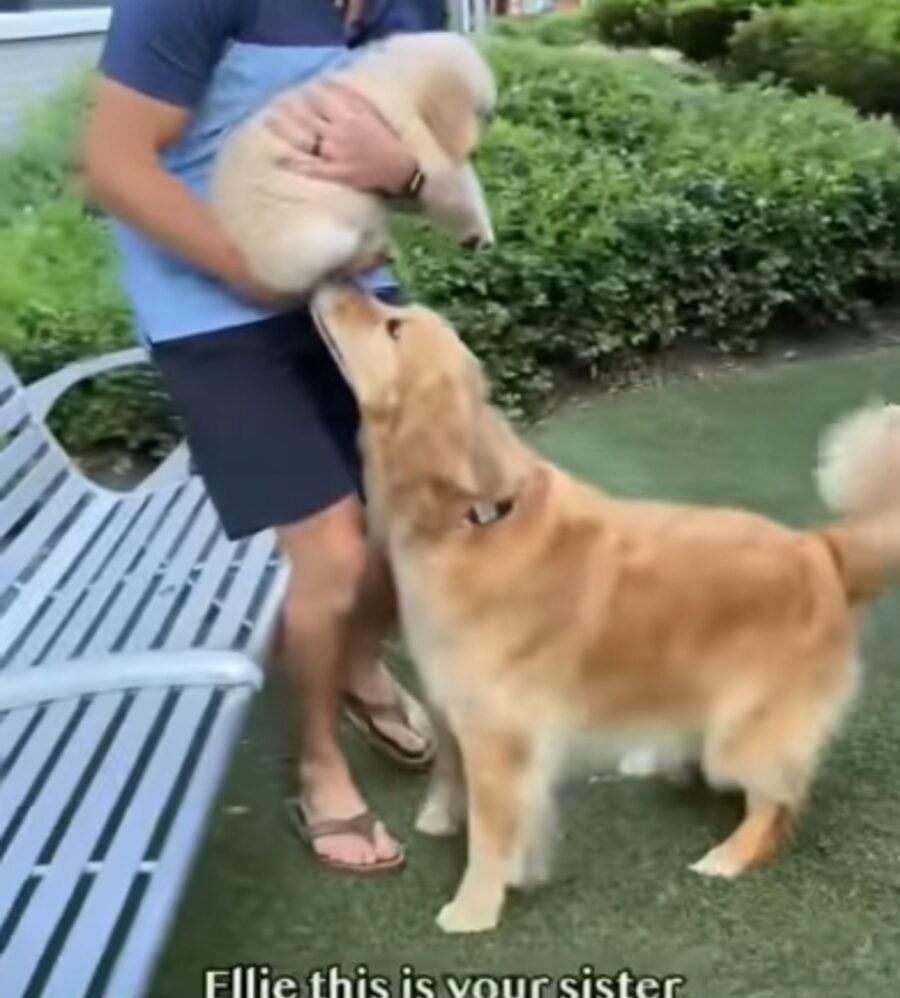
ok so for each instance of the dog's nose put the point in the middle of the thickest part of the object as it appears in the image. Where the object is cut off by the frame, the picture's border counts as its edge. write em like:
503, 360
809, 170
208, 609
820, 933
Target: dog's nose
477, 242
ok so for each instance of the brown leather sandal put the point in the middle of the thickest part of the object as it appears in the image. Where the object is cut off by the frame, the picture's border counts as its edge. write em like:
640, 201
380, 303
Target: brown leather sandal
363, 825
364, 717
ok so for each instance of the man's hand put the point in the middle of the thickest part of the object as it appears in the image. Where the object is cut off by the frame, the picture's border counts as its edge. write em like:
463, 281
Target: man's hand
339, 136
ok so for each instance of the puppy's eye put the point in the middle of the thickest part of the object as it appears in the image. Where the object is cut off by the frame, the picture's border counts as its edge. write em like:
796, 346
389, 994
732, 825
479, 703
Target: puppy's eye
393, 328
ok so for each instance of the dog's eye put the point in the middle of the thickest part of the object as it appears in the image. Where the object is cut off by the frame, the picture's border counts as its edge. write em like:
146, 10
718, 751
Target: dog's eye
393, 328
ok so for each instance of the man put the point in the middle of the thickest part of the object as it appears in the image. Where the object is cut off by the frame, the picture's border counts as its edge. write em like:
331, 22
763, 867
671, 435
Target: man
270, 422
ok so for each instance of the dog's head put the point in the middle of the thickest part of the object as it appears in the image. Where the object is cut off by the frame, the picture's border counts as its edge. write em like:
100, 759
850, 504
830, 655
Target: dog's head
456, 97
428, 428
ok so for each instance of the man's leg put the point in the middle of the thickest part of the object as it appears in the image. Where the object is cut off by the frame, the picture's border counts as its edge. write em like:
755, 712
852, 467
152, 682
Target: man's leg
339, 608
272, 426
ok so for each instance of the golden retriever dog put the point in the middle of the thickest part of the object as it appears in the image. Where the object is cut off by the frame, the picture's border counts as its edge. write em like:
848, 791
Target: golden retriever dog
541, 609
436, 91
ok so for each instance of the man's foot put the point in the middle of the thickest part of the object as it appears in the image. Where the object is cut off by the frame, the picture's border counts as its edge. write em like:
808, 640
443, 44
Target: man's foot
390, 718
332, 817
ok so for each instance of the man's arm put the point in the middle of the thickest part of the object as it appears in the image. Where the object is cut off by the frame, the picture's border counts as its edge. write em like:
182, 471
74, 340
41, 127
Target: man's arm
126, 133
157, 60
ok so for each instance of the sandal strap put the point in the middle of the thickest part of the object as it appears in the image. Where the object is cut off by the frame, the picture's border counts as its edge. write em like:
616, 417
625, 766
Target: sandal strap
362, 824
396, 711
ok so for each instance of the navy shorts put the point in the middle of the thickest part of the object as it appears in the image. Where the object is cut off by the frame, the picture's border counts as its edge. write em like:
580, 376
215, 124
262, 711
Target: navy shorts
271, 423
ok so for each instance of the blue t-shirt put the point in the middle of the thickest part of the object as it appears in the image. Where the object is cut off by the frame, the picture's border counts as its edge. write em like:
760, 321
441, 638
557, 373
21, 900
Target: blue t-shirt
222, 59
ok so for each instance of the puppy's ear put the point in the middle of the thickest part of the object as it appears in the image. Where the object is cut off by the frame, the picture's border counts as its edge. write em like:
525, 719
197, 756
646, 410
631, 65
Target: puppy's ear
449, 114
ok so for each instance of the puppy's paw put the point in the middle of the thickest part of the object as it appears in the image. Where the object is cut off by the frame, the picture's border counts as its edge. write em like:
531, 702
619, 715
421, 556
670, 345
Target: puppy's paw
460, 916
718, 863
437, 819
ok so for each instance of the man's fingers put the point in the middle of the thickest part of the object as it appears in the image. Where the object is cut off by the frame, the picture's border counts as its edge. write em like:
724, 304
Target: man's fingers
329, 103
317, 168
295, 124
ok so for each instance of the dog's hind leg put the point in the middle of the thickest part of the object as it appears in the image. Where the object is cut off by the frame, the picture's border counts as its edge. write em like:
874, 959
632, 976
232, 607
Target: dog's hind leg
496, 762
771, 754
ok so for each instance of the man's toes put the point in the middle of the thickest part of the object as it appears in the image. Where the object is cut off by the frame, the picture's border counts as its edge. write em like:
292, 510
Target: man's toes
386, 848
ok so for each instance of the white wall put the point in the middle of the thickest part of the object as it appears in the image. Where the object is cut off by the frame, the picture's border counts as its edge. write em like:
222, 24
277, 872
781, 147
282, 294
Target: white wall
39, 51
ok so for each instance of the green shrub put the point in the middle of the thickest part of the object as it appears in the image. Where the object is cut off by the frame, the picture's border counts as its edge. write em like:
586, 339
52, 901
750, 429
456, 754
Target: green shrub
59, 302
40, 167
700, 29
658, 211
632, 209
560, 28
630, 22
850, 49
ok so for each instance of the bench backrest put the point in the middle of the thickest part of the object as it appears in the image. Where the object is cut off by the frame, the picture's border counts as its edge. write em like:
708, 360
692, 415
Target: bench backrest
39, 494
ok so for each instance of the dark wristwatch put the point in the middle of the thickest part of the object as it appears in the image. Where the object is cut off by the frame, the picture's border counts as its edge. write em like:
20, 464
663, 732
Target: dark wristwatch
413, 185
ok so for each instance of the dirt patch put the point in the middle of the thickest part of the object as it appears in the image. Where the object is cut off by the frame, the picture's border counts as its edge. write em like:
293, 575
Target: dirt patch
871, 329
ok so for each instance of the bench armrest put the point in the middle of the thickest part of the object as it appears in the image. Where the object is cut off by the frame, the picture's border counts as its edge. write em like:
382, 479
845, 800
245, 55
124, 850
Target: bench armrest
65, 680
44, 393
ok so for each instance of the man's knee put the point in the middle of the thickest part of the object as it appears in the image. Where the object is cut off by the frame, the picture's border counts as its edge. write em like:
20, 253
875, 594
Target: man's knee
328, 557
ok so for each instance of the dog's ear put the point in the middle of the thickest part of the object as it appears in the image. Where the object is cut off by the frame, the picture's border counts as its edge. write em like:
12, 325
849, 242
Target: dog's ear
448, 113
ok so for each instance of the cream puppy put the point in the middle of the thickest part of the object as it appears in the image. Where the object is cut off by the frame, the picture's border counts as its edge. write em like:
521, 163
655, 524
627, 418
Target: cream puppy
436, 91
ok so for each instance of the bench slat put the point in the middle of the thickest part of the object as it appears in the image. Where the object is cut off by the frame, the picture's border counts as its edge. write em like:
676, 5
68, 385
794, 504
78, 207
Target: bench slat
131, 521
42, 530
66, 553
45, 810
136, 594
233, 612
23, 447
176, 581
48, 903
28, 492
157, 912
34, 756
13, 413
197, 607
12, 727
136, 548
86, 943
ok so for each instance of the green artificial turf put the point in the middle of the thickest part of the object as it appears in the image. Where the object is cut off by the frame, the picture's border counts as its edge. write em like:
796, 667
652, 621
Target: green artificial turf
824, 921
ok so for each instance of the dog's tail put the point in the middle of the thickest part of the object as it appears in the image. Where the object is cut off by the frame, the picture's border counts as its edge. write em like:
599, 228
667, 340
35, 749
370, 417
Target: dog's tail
859, 478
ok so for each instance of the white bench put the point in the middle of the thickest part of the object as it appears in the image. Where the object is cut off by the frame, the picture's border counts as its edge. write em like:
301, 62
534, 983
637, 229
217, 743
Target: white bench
132, 634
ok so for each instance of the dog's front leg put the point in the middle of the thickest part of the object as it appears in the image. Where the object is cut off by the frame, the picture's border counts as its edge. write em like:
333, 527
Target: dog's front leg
495, 762
443, 811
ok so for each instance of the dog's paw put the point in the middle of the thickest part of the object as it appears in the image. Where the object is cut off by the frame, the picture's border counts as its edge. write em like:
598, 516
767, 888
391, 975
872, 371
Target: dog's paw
531, 871
717, 863
641, 764
459, 917
652, 763
438, 820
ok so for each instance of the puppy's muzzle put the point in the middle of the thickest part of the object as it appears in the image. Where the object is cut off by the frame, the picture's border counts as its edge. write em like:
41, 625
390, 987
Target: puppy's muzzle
477, 242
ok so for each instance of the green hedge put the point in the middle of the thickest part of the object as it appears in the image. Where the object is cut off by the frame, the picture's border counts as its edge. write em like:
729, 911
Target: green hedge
629, 23
59, 295
659, 210
851, 49
633, 210
559, 28
701, 29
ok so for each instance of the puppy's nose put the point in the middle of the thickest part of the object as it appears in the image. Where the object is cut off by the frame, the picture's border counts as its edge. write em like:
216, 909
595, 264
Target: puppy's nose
477, 242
